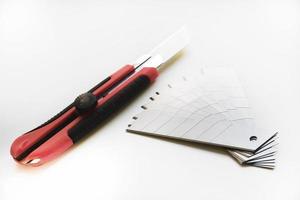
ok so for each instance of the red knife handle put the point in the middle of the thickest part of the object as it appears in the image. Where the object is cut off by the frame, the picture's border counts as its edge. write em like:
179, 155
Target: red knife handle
49, 147
28, 142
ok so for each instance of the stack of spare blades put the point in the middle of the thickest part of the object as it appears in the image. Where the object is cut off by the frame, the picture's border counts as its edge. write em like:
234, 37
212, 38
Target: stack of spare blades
210, 107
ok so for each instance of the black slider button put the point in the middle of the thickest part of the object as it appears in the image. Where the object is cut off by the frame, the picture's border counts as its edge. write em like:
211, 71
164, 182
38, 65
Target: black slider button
85, 102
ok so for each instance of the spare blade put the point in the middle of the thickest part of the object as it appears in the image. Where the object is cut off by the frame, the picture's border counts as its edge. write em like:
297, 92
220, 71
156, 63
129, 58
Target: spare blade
165, 50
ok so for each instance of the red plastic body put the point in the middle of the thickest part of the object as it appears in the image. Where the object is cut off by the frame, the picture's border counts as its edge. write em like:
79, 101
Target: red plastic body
60, 142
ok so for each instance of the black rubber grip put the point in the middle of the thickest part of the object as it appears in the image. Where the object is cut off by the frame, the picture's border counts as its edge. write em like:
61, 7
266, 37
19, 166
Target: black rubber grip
70, 106
121, 99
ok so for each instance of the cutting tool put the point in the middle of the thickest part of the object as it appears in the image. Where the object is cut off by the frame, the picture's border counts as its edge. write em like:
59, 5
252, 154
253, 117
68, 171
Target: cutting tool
82, 116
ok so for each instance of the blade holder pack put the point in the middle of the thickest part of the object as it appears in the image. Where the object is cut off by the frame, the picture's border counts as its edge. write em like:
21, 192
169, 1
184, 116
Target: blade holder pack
209, 108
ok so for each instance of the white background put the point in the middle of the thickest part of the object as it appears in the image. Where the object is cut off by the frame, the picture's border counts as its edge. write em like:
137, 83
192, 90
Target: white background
51, 51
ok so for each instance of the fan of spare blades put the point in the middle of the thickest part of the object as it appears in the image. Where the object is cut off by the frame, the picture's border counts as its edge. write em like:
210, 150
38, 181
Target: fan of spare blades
210, 107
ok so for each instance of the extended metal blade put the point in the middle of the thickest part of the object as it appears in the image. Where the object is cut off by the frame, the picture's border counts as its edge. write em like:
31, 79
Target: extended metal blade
165, 50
